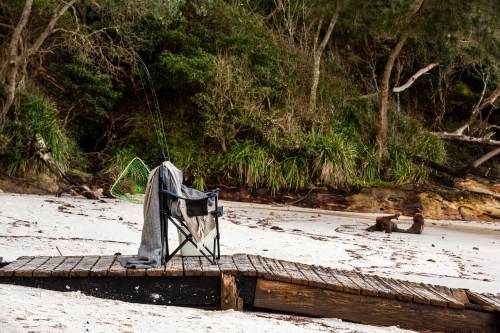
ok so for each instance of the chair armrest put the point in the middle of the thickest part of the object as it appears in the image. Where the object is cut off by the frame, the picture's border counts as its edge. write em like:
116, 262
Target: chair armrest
218, 212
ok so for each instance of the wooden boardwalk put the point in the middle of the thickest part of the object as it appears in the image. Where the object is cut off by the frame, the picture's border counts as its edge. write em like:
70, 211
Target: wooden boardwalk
268, 284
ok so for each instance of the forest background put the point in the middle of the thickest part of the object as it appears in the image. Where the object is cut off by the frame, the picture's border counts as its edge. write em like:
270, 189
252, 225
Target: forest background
282, 94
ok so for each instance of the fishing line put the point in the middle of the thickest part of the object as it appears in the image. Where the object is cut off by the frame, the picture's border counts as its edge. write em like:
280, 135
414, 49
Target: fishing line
158, 122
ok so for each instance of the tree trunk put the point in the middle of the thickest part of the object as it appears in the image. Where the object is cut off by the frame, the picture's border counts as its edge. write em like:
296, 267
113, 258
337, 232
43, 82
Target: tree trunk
318, 52
13, 62
15, 59
384, 85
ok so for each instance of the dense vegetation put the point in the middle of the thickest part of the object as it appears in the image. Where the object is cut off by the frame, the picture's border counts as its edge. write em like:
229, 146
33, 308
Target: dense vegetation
233, 81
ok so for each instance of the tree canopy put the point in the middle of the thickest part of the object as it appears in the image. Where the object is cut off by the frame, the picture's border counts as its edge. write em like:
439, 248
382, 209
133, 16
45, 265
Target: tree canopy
283, 94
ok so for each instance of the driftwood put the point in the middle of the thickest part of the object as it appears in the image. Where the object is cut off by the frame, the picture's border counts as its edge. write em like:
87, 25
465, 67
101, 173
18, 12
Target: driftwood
43, 153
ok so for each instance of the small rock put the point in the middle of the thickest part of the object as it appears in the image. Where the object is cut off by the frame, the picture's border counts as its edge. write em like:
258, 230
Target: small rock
487, 280
475, 248
40, 231
442, 237
120, 218
433, 223
271, 213
265, 250
431, 260
433, 245
118, 254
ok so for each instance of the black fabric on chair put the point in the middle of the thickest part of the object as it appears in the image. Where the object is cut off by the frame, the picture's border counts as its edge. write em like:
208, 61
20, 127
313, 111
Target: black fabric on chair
186, 209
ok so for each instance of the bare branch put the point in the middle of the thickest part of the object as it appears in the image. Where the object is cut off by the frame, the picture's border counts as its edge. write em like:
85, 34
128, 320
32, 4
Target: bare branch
414, 77
56, 14
483, 141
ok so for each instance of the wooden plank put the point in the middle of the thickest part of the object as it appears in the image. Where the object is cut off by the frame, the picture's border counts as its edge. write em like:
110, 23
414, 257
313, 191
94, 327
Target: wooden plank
137, 271
10, 268
102, 266
244, 265
417, 296
382, 290
259, 268
331, 282
460, 295
276, 271
400, 293
208, 269
314, 279
424, 292
174, 267
227, 265
29, 267
229, 299
364, 287
117, 269
447, 291
83, 268
349, 286
453, 303
294, 272
46, 269
157, 271
317, 302
192, 266
481, 300
64, 269
493, 300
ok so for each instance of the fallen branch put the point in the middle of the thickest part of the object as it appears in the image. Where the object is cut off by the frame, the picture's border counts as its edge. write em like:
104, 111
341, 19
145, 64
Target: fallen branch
458, 136
43, 153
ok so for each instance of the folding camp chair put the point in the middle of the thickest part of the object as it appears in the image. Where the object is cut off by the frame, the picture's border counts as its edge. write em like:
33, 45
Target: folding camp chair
195, 207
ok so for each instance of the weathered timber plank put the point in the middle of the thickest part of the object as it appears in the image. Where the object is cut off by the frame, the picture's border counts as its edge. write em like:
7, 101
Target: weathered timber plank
116, 269
331, 282
64, 269
46, 269
306, 300
157, 271
417, 297
229, 299
383, 291
174, 267
457, 304
294, 272
483, 301
192, 266
29, 267
453, 303
364, 287
426, 293
314, 279
227, 266
208, 269
460, 295
493, 300
244, 265
133, 271
276, 271
400, 293
349, 286
18, 263
259, 268
82, 269
102, 266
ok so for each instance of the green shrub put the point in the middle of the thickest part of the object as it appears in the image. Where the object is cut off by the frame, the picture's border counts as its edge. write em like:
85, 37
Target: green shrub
35, 114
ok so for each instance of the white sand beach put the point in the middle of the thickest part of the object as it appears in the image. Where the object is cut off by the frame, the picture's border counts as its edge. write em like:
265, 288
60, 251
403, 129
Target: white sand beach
450, 253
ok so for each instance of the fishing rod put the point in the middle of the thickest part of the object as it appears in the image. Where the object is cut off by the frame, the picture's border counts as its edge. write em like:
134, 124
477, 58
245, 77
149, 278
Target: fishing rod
158, 121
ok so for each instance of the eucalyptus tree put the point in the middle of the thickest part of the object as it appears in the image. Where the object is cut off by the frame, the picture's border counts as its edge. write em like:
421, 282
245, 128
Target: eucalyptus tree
30, 28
